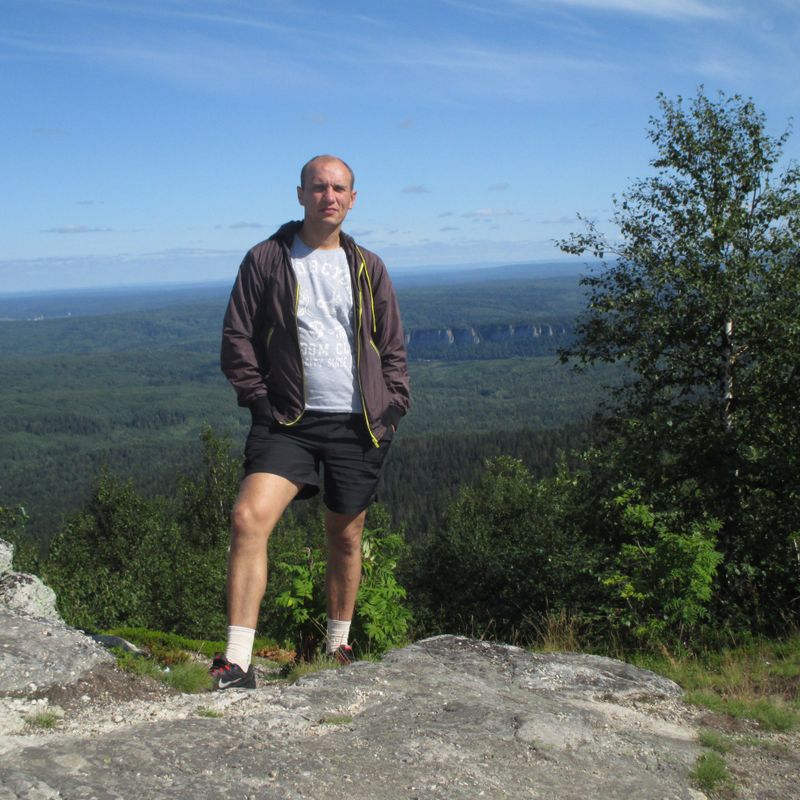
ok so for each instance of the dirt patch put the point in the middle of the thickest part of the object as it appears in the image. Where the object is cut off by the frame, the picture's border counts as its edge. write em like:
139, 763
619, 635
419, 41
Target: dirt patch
105, 685
731, 726
766, 767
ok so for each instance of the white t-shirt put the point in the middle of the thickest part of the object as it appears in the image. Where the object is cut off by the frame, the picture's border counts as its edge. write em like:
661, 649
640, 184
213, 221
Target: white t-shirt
325, 328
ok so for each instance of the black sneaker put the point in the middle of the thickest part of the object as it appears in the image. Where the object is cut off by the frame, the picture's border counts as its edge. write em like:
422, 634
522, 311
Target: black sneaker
344, 655
225, 675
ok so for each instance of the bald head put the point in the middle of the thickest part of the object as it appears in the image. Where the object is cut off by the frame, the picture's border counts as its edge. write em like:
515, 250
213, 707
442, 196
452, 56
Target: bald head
325, 158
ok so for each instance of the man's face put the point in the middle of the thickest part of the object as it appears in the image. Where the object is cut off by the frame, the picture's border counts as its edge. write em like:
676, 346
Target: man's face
327, 195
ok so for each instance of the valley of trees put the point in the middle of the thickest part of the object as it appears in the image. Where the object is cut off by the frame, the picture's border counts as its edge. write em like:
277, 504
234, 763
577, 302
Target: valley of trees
662, 512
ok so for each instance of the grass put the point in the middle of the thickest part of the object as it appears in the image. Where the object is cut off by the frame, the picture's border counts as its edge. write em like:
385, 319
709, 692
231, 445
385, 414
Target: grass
558, 632
181, 674
336, 719
293, 672
771, 713
208, 712
711, 775
716, 741
45, 720
759, 681
175, 660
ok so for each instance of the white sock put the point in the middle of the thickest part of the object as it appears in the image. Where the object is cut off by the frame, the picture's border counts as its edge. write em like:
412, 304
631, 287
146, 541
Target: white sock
338, 631
240, 646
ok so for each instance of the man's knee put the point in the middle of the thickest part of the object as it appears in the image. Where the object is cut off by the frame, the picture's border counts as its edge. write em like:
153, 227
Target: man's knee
344, 531
249, 521
261, 502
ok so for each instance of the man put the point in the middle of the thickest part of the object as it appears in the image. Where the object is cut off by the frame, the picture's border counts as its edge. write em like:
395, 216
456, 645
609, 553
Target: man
313, 344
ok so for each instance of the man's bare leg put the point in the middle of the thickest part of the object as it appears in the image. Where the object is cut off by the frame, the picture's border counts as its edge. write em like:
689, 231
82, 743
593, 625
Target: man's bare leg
262, 499
343, 573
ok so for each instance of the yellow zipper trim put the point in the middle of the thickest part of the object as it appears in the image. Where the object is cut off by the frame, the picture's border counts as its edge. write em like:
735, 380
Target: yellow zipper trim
363, 268
369, 285
302, 373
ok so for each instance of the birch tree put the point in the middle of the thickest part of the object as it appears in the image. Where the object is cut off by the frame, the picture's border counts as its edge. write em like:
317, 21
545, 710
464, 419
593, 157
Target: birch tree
699, 295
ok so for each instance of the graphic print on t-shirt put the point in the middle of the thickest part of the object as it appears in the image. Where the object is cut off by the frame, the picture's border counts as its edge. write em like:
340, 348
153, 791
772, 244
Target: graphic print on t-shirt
325, 328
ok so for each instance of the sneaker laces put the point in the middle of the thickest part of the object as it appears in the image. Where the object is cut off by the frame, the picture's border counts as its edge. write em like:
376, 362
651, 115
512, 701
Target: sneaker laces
220, 665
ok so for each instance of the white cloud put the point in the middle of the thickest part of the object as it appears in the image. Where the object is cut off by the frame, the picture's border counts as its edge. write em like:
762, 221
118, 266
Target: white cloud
665, 9
76, 229
416, 190
565, 220
488, 213
184, 58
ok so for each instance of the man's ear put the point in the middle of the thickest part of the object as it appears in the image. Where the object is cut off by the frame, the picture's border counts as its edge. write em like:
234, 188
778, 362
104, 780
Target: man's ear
300, 196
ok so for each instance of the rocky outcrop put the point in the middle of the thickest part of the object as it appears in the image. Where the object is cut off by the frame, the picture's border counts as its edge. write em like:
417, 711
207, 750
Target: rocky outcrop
446, 717
524, 336
23, 593
36, 654
446, 337
6, 557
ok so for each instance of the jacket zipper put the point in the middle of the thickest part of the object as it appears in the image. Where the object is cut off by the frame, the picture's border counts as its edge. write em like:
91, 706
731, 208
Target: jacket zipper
363, 268
297, 339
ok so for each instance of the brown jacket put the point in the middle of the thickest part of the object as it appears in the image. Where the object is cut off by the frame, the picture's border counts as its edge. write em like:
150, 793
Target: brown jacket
260, 347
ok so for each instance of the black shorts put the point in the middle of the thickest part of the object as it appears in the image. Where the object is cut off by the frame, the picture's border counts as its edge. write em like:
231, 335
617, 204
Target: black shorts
340, 442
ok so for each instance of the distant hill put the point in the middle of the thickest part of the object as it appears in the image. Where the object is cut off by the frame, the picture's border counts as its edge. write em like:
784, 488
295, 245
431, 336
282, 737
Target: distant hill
129, 378
116, 300
112, 300
478, 273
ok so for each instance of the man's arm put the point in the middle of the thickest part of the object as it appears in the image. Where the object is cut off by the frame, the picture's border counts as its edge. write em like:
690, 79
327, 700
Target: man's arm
239, 355
390, 340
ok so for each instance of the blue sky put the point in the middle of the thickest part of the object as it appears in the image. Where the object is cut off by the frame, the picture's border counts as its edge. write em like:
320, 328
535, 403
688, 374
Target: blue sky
149, 141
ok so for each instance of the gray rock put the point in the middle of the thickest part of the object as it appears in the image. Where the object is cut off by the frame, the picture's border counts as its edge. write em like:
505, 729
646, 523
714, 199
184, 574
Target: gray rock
26, 594
117, 641
6, 556
43, 653
23, 593
447, 717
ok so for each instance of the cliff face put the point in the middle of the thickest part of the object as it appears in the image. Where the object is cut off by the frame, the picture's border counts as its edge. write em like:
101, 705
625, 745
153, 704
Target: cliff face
542, 335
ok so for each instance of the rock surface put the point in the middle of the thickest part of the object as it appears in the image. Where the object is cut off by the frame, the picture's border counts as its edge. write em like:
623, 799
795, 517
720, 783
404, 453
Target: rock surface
446, 717
24, 593
28, 595
36, 654
6, 556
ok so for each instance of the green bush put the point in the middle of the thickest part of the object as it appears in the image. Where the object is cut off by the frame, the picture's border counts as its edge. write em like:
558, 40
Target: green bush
510, 551
380, 621
157, 562
661, 579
